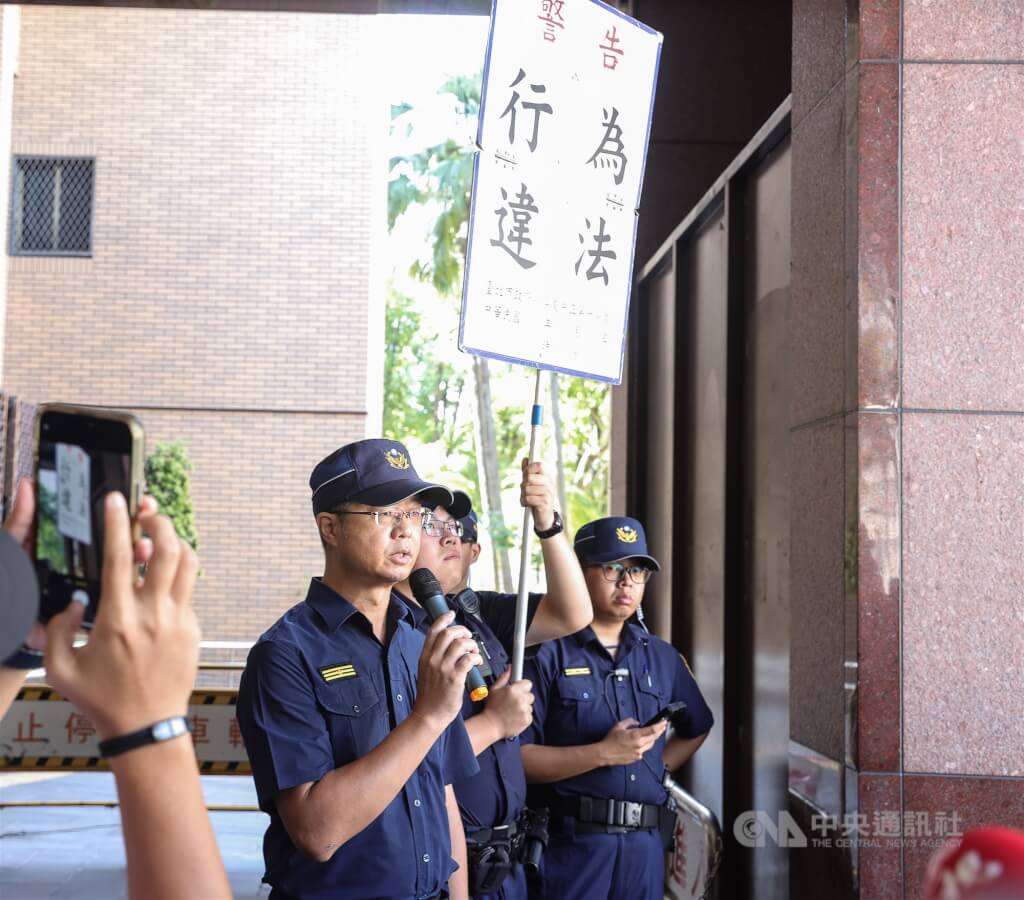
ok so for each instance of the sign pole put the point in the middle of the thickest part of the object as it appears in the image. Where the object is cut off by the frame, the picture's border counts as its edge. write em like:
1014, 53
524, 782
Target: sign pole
519, 646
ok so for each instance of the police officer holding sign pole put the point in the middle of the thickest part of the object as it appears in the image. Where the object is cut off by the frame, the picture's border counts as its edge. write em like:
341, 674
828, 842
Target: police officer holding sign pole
350, 715
492, 802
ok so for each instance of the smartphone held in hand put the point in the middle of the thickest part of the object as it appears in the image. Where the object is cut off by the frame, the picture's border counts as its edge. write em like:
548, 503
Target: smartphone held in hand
666, 713
82, 454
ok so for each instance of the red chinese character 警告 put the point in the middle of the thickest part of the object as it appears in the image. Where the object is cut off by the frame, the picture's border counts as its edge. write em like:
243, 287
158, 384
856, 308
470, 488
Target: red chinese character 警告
551, 16
612, 50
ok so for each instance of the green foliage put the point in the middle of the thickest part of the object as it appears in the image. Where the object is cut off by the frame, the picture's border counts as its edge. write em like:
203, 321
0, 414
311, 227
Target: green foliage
423, 386
421, 391
441, 175
586, 413
49, 543
168, 479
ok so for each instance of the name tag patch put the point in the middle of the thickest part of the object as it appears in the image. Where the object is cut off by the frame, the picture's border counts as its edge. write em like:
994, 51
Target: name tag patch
578, 670
333, 673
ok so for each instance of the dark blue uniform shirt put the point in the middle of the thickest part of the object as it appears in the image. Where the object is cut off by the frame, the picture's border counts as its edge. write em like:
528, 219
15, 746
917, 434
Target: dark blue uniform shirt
580, 693
497, 793
318, 692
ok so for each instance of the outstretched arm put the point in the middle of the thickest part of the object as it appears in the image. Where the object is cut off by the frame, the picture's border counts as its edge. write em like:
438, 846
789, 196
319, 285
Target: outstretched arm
141, 629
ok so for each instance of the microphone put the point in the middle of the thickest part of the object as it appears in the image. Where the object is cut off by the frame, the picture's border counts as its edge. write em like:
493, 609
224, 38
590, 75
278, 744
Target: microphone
427, 591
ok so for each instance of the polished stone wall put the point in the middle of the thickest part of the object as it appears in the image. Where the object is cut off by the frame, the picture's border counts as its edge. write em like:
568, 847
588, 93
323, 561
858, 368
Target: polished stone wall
908, 338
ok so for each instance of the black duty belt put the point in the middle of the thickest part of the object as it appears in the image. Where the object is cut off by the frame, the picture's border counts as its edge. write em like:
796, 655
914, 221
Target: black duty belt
608, 813
490, 835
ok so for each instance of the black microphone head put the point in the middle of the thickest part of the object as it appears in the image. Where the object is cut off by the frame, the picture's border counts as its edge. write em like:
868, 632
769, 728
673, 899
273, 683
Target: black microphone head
424, 584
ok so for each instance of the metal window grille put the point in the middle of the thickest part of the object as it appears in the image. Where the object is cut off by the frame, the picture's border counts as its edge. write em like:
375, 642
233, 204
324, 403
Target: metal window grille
51, 206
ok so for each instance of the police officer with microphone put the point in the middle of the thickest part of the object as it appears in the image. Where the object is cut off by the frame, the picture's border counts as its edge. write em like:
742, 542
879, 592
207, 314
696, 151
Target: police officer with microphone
492, 802
350, 715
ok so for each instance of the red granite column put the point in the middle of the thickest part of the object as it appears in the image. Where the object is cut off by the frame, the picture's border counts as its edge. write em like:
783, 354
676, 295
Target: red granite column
962, 309
845, 679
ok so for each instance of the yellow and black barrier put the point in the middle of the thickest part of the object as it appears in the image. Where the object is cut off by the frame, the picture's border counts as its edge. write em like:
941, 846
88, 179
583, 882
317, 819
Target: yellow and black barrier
42, 731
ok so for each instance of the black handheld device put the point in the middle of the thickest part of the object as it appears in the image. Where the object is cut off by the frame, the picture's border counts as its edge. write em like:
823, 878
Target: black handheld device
82, 454
667, 712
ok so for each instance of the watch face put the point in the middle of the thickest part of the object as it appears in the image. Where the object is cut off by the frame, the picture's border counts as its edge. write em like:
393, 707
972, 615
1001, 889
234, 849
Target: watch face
556, 526
163, 730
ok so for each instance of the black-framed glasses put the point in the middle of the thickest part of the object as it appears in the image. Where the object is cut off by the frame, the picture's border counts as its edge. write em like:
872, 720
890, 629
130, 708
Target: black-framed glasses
613, 572
439, 528
391, 518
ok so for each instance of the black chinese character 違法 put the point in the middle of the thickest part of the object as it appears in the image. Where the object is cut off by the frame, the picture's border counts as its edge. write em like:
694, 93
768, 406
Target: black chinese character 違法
523, 209
597, 254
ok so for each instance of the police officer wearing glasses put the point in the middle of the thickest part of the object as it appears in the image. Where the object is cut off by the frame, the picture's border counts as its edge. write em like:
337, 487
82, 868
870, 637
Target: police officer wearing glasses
350, 715
492, 802
590, 747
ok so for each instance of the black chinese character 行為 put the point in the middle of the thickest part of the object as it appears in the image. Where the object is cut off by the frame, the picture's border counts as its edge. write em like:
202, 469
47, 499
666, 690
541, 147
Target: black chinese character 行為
536, 108
610, 151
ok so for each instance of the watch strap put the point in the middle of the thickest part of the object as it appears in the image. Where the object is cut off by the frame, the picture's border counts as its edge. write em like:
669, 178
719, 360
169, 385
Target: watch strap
164, 730
24, 658
556, 528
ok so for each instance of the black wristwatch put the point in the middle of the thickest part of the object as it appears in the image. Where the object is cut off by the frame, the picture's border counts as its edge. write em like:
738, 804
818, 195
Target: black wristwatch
556, 528
164, 730
24, 658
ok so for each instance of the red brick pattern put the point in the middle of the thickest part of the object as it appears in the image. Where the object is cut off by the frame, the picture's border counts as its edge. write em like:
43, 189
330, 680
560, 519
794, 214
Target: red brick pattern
227, 300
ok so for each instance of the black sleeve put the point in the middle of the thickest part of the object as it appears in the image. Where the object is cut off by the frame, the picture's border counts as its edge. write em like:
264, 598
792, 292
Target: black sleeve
499, 612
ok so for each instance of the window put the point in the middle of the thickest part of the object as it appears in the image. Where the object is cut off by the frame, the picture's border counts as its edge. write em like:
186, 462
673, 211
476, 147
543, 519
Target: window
51, 206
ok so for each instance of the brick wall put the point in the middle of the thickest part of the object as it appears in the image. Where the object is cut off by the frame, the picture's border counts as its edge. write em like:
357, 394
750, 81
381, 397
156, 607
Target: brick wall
228, 297
258, 540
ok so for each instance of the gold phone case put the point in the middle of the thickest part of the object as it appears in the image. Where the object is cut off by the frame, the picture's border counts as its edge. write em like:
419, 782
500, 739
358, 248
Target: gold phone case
137, 475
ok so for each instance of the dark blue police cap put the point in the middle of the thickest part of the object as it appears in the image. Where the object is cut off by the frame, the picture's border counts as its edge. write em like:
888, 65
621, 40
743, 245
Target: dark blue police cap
611, 539
462, 509
460, 505
375, 472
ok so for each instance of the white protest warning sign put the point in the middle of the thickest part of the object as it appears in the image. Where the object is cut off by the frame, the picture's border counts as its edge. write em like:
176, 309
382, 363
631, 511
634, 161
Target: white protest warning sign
564, 125
73, 518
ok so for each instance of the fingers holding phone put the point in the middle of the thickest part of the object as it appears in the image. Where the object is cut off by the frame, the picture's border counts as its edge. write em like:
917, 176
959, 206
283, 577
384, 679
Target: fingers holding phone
139, 664
19, 522
82, 454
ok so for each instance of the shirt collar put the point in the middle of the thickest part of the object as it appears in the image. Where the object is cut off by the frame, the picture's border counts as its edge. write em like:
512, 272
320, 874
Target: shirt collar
417, 614
335, 610
631, 633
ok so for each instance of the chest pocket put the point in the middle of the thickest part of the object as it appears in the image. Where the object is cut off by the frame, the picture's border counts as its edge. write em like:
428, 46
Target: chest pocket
582, 712
356, 718
573, 689
651, 698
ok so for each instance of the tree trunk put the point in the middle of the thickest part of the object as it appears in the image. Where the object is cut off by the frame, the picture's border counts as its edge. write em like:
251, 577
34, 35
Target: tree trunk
489, 452
556, 430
